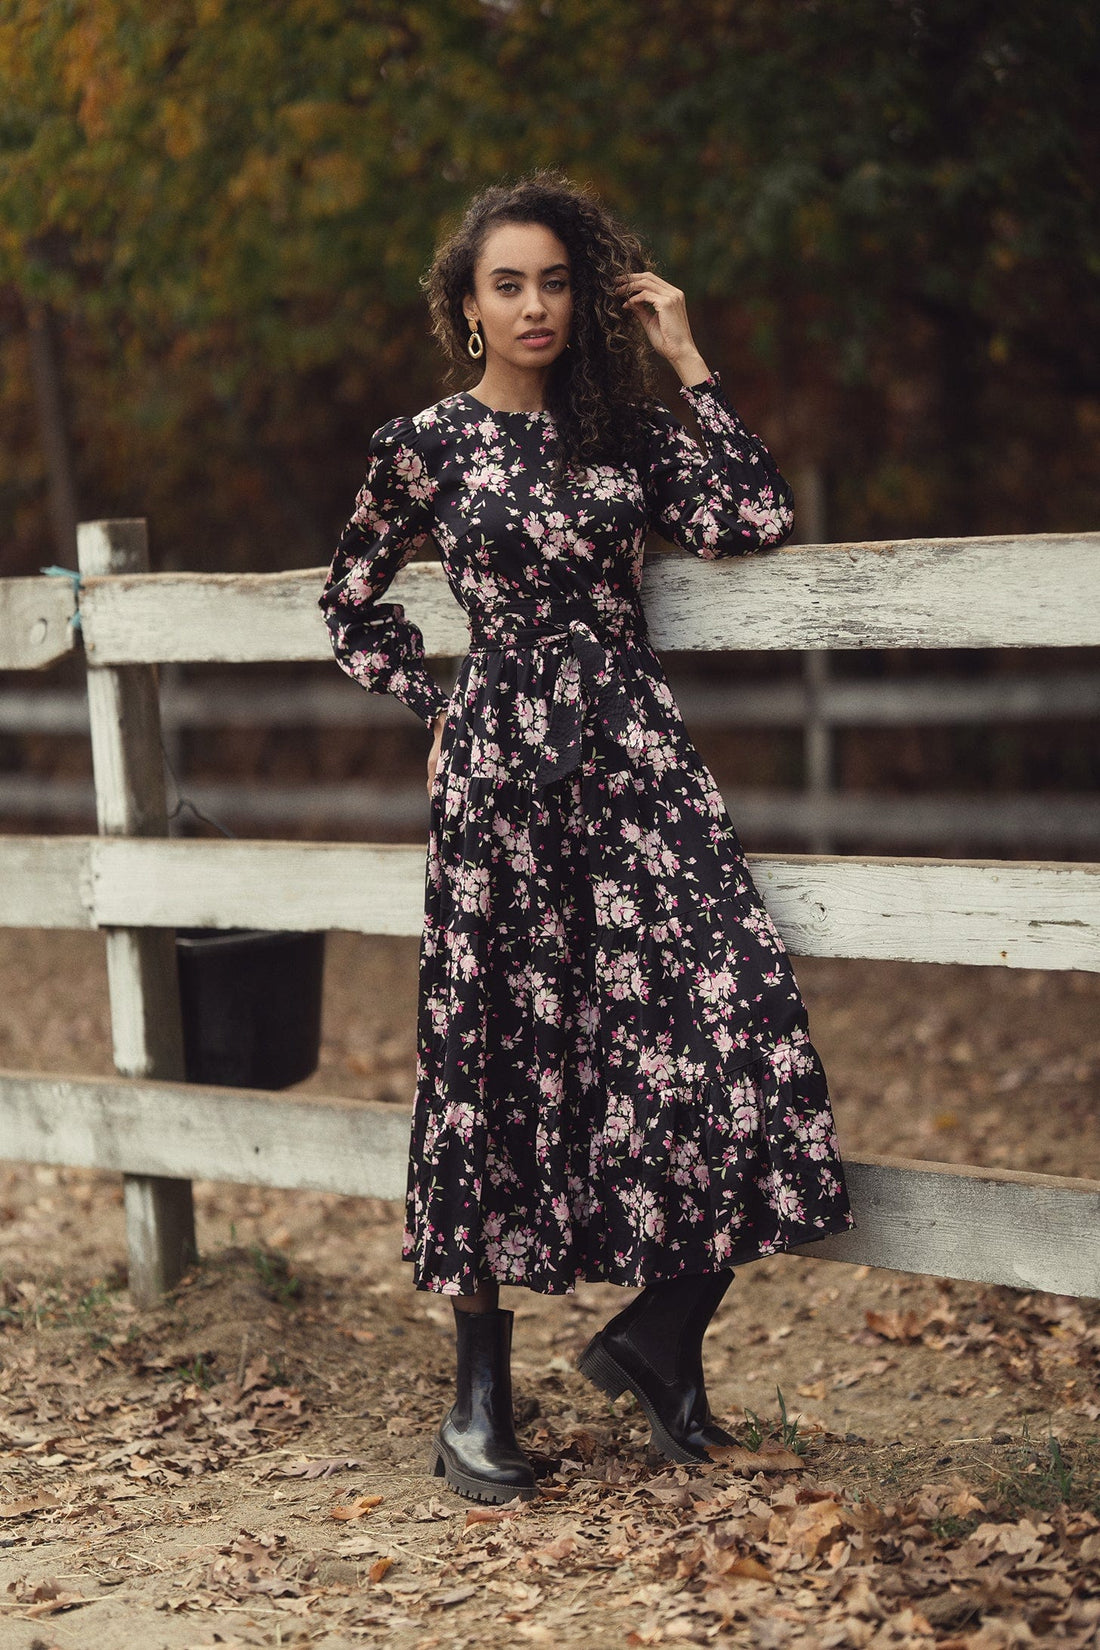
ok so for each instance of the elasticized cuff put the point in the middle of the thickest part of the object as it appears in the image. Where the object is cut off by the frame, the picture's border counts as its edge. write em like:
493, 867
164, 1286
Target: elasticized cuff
712, 383
436, 711
415, 686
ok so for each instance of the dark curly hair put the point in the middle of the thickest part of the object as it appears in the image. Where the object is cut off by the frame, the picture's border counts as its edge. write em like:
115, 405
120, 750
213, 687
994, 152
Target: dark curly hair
599, 388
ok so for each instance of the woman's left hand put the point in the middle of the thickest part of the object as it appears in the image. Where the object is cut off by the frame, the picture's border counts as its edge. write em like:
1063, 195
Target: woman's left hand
662, 310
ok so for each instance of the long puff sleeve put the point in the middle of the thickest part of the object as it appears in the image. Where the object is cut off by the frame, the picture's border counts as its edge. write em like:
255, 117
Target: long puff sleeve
726, 500
372, 640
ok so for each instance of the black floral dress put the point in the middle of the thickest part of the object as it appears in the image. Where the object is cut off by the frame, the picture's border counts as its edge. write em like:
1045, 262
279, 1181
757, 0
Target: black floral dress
615, 1078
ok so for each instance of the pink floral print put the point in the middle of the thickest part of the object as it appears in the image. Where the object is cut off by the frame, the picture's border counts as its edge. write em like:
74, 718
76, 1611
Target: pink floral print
615, 1078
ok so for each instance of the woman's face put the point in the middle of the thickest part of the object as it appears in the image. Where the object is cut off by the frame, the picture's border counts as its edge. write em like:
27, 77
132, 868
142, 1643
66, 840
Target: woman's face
522, 295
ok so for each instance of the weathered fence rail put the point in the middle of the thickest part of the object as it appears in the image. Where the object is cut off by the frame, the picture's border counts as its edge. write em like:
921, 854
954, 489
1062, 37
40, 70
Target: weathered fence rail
822, 813
997, 822
992, 1225
1031, 1231
1036, 590
851, 703
993, 912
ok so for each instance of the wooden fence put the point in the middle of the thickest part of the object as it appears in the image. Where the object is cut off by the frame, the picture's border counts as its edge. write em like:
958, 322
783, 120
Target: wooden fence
998, 1226
820, 813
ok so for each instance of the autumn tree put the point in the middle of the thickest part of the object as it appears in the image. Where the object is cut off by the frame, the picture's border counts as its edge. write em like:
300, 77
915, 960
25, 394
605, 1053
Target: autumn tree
884, 211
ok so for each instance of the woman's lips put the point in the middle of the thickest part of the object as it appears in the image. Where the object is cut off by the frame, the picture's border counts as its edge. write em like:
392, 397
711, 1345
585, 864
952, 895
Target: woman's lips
536, 340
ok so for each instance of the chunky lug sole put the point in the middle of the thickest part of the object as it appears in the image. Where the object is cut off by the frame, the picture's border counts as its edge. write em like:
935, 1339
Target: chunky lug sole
599, 1367
443, 1466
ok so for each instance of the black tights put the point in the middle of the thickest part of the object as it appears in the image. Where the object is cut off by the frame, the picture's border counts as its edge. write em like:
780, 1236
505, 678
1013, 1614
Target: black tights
487, 1298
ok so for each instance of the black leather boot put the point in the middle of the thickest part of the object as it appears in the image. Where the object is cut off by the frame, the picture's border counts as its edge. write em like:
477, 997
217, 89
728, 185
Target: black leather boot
654, 1349
475, 1450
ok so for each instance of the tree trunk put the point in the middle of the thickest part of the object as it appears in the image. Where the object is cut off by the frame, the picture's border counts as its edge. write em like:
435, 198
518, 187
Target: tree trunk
53, 430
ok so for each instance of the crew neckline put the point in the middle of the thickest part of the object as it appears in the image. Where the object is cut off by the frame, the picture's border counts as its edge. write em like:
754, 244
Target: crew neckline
498, 412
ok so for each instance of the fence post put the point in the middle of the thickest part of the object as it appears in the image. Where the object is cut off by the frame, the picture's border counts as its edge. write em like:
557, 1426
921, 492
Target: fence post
817, 733
124, 710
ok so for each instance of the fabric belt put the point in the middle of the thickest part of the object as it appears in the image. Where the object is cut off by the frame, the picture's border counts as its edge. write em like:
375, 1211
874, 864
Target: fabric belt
593, 638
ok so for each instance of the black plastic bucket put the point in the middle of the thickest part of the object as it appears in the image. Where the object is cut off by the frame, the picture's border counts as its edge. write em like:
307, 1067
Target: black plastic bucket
251, 1006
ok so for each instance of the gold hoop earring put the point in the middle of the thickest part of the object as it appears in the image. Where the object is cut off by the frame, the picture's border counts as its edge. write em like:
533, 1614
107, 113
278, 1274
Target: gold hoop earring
475, 344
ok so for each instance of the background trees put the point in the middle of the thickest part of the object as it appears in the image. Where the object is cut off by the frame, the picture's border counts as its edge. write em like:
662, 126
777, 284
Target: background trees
884, 213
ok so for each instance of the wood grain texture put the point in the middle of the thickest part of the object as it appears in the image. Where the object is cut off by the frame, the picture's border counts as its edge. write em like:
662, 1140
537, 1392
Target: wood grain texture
363, 888
991, 913
146, 1027
235, 617
46, 882
35, 622
988, 913
180, 1129
981, 1225
978, 592
988, 1226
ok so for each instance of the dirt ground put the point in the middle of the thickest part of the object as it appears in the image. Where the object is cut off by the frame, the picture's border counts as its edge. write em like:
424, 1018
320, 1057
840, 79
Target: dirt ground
919, 1461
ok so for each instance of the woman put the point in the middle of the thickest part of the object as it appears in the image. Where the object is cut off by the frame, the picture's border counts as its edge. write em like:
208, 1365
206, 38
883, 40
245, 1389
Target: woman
614, 1077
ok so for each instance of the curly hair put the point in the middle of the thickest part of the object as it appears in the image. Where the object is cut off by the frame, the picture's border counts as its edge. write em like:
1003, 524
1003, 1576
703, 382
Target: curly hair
597, 389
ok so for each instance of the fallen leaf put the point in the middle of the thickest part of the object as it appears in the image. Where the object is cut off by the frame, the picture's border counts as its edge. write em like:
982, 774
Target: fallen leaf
318, 1469
816, 1526
768, 1458
1012, 1538
898, 1326
46, 1598
358, 1508
424, 1511
488, 1515
379, 1568
746, 1569
41, 1502
563, 1547
454, 1595
849, 1377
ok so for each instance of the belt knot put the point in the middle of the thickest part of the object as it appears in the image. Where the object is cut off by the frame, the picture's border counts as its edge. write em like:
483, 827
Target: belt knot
588, 673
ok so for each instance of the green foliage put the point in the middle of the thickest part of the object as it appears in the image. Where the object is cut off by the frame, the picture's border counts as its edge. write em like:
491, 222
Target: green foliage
197, 1371
276, 1278
787, 1433
1040, 1477
788, 1427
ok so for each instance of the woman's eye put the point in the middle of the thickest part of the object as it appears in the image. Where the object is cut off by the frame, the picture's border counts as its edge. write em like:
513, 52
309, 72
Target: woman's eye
557, 285
506, 286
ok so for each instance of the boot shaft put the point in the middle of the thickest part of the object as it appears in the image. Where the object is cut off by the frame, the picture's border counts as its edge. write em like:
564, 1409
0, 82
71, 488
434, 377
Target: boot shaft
666, 1323
483, 1376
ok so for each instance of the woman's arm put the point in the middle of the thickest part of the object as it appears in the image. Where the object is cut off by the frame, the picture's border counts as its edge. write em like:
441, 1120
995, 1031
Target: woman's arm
728, 500
724, 501
372, 640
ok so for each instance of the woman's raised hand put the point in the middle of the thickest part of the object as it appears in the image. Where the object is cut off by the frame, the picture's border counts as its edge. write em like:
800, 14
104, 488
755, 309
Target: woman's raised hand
661, 309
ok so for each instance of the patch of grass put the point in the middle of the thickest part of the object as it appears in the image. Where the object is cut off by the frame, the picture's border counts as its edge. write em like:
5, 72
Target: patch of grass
754, 1431
198, 1372
1040, 1476
57, 1305
11, 1310
786, 1434
90, 1302
953, 1528
277, 1281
